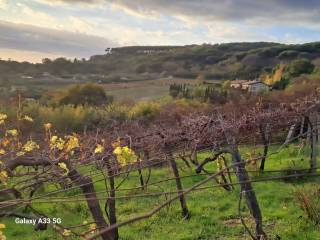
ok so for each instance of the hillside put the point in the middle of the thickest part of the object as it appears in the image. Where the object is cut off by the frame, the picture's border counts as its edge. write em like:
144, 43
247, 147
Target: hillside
219, 61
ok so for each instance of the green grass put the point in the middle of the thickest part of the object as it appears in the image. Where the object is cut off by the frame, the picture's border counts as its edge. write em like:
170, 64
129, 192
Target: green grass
214, 211
145, 93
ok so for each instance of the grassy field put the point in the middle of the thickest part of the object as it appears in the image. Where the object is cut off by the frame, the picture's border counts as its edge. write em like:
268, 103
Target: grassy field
143, 93
214, 211
145, 90
140, 90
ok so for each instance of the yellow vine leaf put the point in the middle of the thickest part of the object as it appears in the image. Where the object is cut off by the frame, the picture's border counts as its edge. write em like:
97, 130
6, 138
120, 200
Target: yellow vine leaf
27, 118
93, 226
3, 116
56, 142
72, 143
66, 232
2, 152
29, 146
99, 149
124, 154
12, 132
64, 167
53, 139
4, 177
21, 153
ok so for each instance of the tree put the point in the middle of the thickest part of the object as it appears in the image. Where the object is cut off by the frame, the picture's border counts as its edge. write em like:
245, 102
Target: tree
200, 79
90, 94
282, 84
46, 61
300, 66
141, 68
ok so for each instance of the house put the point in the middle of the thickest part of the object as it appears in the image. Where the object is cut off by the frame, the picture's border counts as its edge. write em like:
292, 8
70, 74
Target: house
26, 77
237, 83
253, 86
257, 87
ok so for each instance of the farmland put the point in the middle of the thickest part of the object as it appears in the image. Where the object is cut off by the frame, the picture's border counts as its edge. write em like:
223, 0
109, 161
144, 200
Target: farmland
214, 211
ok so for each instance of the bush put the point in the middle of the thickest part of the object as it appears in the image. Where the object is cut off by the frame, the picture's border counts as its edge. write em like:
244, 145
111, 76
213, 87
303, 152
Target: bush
144, 110
116, 111
64, 118
309, 201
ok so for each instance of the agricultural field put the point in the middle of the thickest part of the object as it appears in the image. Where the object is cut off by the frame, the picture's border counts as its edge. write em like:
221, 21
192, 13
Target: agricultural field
214, 211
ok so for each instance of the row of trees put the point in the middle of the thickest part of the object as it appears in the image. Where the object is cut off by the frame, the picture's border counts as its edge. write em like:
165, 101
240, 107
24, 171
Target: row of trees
203, 93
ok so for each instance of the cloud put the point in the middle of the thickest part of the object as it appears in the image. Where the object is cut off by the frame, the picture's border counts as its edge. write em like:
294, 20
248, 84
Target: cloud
80, 25
3, 4
81, 28
249, 11
41, 18
64, 2
48, 41
22, 55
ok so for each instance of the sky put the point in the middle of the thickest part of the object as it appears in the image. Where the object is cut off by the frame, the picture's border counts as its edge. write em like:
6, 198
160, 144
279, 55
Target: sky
31, 30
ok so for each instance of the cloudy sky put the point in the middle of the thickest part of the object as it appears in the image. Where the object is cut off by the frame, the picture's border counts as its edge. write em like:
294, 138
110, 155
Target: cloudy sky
34, 29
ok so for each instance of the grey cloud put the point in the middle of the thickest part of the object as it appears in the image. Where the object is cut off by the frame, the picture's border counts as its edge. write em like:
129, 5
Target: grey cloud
45, 40
232, 10
226, 10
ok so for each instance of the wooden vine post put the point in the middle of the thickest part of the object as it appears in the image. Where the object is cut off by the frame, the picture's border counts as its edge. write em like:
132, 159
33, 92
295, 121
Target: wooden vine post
111, 200
87, 187
175, 170
247, 190
244, 180
313, 123
264, 132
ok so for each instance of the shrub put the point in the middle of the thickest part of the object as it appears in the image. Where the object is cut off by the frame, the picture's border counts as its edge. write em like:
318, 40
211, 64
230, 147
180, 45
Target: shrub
116, 111
65, 118
144, 110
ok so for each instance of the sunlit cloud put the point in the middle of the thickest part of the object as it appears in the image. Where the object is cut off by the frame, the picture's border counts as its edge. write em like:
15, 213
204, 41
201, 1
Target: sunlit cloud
49, 41
67, 2
3, 4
